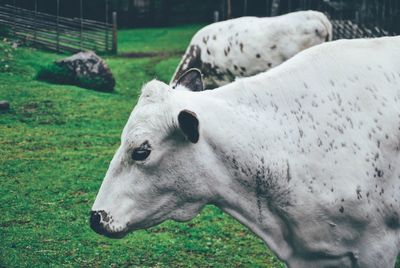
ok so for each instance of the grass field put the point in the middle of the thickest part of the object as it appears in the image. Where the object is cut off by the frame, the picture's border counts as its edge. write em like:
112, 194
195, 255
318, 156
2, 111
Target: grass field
55, 146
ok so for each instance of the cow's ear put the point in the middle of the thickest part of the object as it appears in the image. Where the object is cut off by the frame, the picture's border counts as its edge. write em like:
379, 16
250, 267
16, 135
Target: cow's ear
192, 80
189, 124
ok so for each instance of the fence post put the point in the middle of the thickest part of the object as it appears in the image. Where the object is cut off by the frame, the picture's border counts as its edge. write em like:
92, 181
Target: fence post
107, 48
81, 28
115, 33
228, 9
275, 7
268, 8
57, 27
222, 7
35, 33
384, 25
216, 16
15, 14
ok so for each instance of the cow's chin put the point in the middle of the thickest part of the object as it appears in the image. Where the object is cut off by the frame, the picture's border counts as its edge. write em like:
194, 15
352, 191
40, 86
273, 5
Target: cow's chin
130, 228
115, 235
180, 215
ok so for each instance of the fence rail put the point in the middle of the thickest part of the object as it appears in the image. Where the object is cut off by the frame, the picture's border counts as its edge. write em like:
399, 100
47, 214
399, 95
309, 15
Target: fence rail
59, 33
350, 19
347, 29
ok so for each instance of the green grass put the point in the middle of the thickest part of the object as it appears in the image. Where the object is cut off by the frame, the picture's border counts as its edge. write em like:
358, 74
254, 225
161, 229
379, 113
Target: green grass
55, 146
156, 39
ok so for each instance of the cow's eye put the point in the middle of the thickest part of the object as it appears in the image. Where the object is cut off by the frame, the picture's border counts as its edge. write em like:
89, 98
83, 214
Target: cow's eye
142, 152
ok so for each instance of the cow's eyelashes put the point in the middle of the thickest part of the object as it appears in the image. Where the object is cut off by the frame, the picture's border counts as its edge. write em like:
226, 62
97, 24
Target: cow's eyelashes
142, 152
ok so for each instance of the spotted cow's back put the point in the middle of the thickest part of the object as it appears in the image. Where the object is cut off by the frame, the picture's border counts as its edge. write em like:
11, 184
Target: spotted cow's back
249, 45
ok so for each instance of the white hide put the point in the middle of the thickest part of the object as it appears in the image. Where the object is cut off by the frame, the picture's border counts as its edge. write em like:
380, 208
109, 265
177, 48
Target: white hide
306, 156
246, 46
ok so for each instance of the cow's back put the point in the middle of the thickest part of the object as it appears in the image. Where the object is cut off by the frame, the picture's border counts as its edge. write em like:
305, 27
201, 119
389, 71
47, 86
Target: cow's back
338, 100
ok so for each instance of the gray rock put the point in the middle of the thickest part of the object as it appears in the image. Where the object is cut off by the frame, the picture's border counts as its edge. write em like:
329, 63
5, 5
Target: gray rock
4, 105
88, 70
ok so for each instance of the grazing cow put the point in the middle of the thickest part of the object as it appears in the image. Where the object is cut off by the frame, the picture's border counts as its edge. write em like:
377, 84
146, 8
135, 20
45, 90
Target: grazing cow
249, 45
306, 156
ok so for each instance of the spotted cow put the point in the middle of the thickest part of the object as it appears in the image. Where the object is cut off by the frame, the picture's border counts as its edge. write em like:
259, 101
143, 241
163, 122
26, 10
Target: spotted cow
305, 155
249, 45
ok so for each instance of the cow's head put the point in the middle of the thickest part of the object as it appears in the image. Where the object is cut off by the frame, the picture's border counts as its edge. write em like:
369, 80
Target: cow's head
159, 171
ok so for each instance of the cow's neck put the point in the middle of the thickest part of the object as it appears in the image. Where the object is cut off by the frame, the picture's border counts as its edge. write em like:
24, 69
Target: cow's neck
256, 198
255, 188
237, 123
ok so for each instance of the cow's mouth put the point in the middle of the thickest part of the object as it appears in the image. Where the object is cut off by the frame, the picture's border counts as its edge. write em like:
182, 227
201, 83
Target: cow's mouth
113, 235
101, 227
99, 224
104, 223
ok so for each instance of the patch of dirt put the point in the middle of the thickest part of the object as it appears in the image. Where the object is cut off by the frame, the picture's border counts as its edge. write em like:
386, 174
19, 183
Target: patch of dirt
43, 112
14, 222
151, 54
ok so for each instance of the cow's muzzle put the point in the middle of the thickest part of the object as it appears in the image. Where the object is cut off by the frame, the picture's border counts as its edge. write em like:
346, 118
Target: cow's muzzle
99, 223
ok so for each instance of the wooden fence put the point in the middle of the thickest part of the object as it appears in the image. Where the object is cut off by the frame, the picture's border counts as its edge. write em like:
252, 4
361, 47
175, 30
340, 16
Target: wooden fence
350, 19
59, 33
347, 29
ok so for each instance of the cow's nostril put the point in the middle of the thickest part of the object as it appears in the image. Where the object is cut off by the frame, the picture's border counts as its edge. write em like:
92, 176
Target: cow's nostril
95, 222
99, 223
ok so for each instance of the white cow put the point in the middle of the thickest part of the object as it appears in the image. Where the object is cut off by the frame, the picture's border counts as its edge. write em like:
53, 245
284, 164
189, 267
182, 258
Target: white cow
249, 45
306, 156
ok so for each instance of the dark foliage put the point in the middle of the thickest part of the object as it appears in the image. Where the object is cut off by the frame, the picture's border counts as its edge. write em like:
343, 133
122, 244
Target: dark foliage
137, 13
